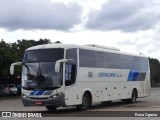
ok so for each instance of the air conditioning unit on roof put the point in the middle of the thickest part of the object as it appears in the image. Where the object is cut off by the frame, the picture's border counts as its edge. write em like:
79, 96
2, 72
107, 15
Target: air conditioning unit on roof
104, 47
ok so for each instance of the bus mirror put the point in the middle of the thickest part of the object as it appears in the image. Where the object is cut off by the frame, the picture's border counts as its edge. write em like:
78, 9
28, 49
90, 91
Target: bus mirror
12, 67
58, 62
57, 67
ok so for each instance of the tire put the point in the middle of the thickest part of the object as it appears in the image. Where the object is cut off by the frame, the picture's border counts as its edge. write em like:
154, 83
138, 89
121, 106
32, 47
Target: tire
51, 108
133, 98
86, 103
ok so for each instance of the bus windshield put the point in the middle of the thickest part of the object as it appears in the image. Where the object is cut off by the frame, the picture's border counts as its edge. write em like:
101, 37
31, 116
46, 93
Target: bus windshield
39, 69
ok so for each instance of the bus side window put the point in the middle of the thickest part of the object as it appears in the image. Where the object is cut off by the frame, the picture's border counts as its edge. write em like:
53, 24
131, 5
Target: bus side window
70, 74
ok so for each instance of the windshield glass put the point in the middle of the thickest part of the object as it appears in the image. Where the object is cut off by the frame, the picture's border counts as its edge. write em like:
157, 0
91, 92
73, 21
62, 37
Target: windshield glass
44, 55
39, 69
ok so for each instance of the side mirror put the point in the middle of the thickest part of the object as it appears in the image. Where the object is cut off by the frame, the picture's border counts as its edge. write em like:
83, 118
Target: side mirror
12, 70
57, 67
12, 67
58, 62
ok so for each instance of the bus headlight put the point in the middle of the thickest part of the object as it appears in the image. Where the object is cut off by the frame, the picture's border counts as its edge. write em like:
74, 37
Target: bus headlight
25, 96
53, 96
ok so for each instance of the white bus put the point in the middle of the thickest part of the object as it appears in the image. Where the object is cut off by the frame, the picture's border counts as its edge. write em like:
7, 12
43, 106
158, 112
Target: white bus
55, 75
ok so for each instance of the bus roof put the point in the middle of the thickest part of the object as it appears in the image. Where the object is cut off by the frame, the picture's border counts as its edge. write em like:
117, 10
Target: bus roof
88, 47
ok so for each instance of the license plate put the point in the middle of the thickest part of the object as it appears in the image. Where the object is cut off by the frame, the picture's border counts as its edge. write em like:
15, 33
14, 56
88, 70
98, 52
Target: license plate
38, 102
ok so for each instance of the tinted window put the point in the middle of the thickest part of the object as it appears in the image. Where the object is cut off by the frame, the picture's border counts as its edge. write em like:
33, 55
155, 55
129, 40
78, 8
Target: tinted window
70, 74
144, 64
135, 63
87, 58
114, 60
44, 55
101, 60
125, 62
71, 54
97, 59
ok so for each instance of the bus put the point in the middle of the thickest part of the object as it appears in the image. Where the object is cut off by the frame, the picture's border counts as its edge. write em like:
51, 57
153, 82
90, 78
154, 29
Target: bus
55, 75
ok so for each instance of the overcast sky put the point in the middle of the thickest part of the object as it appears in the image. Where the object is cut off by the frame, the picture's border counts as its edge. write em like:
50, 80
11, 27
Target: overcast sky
130, 25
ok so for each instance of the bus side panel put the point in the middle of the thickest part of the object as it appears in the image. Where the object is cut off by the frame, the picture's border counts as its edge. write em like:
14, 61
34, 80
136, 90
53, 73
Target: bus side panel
73, 94
107, 91
98, 92
145, 86
86, 77
115, 87
116, 91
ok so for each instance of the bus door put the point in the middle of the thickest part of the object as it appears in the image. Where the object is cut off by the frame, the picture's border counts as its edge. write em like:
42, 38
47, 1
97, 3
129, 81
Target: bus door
72, 88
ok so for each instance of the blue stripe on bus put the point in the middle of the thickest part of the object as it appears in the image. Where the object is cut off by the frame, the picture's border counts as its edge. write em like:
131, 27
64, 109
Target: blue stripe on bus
40, 92
130, 75
133, 75
33, 92
37, 93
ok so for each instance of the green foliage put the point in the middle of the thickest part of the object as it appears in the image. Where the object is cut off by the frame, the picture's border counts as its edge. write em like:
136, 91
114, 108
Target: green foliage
6, 57
154, 71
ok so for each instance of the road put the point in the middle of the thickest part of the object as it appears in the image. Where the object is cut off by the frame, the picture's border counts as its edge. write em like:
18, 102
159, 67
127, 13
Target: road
148, 104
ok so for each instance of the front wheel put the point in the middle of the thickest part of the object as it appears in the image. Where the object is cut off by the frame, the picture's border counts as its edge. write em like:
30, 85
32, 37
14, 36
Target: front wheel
86, 103
51, 108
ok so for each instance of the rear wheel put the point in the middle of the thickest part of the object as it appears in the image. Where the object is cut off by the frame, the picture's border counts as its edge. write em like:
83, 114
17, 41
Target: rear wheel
133, 98
51, 108
86, 102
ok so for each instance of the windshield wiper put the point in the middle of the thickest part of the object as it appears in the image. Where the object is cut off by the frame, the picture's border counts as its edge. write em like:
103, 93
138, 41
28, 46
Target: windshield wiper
28, 71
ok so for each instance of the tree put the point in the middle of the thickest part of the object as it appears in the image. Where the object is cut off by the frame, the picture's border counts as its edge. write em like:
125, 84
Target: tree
57, 42
155, 71
6, 57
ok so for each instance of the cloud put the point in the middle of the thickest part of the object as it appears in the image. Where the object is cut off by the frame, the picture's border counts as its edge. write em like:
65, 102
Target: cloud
127, 42
155, 47
124, 15
145, 42
38, 14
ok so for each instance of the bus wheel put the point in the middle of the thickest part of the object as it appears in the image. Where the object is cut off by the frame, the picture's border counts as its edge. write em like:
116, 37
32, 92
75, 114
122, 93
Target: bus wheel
86, 103
134, 96
51, 108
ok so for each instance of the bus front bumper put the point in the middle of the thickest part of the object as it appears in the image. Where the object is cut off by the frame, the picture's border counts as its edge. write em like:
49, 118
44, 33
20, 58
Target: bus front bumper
49, 101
